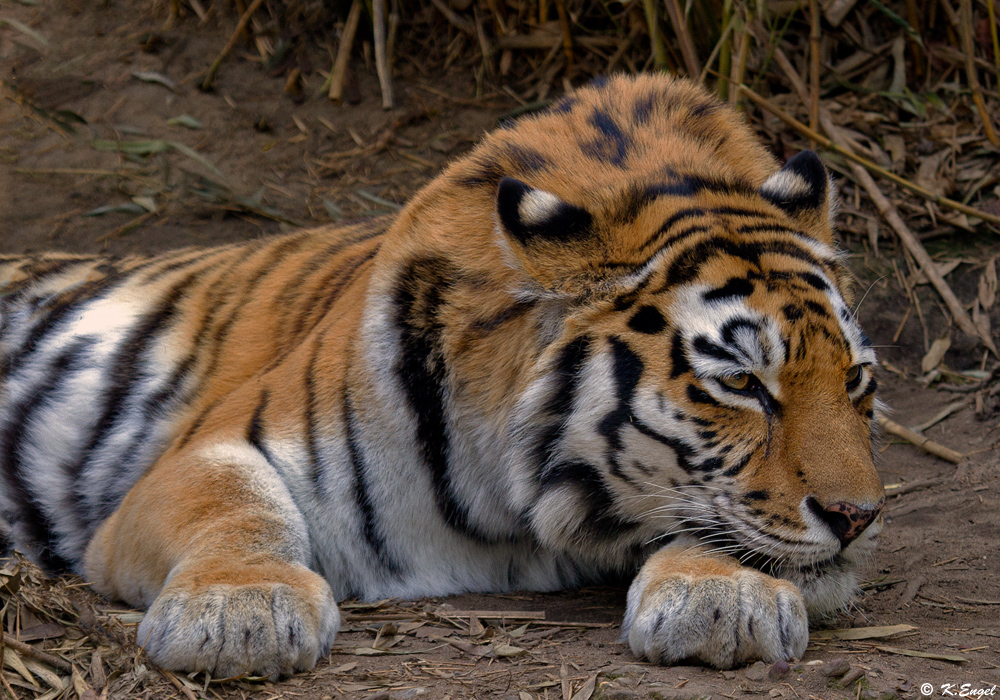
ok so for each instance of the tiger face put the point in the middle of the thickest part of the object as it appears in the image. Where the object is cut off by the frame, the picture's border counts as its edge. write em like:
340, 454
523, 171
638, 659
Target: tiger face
710, 383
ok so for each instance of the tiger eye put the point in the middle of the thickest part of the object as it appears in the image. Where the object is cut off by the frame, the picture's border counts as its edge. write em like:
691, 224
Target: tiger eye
737, 381
853, 374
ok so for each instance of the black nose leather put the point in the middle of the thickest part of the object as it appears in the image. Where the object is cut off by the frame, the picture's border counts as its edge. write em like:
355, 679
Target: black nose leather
846, 520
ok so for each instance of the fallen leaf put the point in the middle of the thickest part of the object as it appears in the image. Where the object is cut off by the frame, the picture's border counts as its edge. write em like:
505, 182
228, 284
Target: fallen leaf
862, 632
934, 356
988, 285
587, 690
922, 654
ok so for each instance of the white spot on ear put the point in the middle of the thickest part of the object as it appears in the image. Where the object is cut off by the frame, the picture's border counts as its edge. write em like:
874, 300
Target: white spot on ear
786, 185
537, 206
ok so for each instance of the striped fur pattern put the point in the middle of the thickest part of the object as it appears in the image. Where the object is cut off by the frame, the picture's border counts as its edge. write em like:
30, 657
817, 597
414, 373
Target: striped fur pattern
610, 342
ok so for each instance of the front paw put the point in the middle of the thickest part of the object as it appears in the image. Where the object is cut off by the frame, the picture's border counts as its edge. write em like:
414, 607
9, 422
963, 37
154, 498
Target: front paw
231, 629
723, 620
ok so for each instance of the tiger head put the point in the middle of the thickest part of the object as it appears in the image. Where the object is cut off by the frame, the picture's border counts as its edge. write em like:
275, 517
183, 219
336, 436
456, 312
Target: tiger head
699, 374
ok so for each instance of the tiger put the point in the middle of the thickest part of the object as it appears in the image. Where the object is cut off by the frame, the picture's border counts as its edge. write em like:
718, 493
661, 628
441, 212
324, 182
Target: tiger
613, 342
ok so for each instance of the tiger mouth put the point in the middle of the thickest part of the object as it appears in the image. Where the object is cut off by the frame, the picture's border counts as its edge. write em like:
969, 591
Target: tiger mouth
725, 542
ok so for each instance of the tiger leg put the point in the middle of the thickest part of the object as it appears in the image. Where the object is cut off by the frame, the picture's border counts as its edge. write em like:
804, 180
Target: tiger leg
213, 544
691, 604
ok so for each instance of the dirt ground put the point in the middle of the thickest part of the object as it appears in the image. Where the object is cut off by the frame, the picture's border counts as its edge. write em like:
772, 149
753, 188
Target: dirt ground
87, 163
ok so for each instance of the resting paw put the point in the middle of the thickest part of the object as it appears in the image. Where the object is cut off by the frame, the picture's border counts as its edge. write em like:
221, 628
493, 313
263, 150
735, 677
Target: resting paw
259, 629
723, 620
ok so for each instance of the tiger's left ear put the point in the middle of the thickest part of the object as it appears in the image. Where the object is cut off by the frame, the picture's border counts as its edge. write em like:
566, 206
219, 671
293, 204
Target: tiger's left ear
803, 189
550, 240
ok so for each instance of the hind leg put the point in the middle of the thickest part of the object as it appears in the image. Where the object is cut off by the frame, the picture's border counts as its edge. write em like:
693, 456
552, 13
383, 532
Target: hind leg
211, 541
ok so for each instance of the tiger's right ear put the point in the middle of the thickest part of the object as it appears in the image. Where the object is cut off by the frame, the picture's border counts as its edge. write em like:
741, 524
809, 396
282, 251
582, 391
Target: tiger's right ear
547, 238
531, 216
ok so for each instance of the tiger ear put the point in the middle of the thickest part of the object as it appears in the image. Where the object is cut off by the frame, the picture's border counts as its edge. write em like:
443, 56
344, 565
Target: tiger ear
548, 239
532, 216
802, 189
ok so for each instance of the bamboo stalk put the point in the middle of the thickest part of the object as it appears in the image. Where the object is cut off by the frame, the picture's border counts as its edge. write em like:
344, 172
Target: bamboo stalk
240, 28
381, 58
725, 49
814, 37
655, 37
918, 440
965, 7
339, 70
567, 33
911, 243
683, 38
739, 67
996, 41
829, 145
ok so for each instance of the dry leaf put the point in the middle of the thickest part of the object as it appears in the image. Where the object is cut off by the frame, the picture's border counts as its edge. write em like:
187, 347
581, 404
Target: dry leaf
934, 356
587, 690
922, 654
344, 668
507, 651
988, 285
862, 632
929, 175
981, 319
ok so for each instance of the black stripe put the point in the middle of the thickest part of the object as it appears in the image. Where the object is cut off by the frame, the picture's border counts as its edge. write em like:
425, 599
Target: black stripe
565, 384
423, 375
601, 520
312, 440
686, 266
627, 368
361, 492
735, 287
29, 509
123, 370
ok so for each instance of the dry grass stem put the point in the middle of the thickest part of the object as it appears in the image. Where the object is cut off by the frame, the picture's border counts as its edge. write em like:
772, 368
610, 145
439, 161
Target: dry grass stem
237, 33
966, 21
381, 57
828, 144
910, 242
918, 440
339, 71
684, 38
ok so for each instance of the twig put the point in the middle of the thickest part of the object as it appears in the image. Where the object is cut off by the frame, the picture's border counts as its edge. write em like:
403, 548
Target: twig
381, 59
126, 227
339, 70
38, 655
912, 244
914, 486
814, 37
683, 38
991, 13
918, 440
454, 18
970, 69
850, 155
177, 684
237, 33
567, 35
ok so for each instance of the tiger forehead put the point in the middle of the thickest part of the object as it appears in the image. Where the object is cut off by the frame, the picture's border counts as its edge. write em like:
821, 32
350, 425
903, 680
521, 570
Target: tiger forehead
629, 136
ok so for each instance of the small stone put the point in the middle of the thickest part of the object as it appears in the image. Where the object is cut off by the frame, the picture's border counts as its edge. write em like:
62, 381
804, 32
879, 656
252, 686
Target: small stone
775, 693
757, 672
779, 670
835, 668
728, 675
869, 695
620, 694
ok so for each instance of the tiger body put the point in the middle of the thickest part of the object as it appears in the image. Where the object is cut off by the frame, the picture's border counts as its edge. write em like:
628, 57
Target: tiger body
611, 340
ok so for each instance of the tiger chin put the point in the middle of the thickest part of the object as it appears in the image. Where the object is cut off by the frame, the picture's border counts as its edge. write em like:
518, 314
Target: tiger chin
611, 340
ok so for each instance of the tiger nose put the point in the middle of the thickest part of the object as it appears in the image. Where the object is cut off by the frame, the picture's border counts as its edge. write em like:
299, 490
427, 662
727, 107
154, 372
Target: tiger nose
846, 520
